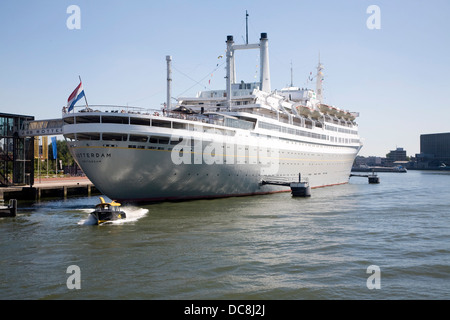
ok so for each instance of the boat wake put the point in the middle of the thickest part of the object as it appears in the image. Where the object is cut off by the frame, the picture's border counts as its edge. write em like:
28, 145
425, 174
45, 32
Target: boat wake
133, 215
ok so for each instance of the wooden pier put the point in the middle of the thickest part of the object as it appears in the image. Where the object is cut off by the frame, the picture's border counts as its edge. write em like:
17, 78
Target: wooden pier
50, 188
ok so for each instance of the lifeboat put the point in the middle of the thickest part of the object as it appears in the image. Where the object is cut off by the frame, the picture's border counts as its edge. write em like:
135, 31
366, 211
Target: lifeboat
351, 117
316, 114
340, 113
347, 115
324, 108
304, 111
333, 111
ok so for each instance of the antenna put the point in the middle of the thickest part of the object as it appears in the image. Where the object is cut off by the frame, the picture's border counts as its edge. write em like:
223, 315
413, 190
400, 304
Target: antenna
246, 27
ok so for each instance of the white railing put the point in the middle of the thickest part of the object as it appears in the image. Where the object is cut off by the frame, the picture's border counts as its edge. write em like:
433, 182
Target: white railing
111, 109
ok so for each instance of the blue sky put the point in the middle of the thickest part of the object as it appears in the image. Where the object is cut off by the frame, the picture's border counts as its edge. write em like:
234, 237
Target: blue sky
396, 77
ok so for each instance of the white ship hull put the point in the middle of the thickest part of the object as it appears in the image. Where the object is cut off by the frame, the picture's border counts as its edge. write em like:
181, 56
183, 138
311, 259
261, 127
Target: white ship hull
130, 174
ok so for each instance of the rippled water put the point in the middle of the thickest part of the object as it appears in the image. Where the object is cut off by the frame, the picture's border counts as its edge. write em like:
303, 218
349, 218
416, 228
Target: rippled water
261, 247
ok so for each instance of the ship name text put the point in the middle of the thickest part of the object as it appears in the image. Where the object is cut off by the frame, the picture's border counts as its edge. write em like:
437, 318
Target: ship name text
82, 155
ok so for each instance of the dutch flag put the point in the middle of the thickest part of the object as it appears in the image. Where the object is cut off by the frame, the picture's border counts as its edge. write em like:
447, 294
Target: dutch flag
76, 95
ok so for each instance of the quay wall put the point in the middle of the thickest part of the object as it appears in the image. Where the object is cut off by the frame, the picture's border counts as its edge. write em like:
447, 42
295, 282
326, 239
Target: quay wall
54, 188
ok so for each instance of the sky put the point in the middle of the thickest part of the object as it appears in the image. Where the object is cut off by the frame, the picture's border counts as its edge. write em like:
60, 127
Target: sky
396, 76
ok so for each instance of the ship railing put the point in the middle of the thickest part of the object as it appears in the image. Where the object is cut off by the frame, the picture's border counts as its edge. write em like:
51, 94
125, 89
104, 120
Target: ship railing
109, 108
198, 117
214, 120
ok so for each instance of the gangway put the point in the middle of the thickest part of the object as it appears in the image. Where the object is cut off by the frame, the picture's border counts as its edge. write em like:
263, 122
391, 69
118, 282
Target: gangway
41, 128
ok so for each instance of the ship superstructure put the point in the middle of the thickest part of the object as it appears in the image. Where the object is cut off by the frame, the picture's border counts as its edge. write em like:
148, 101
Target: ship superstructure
219, 143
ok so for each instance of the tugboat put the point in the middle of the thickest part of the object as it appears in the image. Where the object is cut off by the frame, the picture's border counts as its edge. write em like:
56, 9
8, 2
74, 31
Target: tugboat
106, 212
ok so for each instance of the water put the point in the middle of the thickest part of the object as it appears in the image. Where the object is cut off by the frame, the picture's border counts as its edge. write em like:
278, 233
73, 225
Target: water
262, 247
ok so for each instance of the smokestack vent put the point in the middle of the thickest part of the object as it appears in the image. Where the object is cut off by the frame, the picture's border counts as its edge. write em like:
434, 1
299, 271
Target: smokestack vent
263, 36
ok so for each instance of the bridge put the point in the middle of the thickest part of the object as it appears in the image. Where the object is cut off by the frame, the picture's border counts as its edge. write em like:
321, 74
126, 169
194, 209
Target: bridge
48, 127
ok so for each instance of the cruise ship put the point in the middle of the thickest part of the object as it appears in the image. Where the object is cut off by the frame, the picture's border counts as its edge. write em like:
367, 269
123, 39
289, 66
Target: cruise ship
220, 143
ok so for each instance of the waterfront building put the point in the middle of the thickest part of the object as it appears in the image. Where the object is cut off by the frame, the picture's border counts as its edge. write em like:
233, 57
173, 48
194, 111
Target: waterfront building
16, 153
398, 154
434, 150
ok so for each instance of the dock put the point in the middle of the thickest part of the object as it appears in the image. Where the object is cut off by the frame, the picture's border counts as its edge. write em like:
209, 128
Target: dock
50, 188
373, 178
298, 188
398, 169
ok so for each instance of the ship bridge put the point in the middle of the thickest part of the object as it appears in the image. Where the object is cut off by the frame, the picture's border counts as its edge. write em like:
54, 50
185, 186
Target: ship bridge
47, 127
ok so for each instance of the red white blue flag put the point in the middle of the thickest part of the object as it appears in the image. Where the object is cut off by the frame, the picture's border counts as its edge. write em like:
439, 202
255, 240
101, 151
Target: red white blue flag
76, 95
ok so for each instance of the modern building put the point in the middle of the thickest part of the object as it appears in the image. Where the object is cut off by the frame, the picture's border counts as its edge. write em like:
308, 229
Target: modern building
16, 153
434, 151
437, 144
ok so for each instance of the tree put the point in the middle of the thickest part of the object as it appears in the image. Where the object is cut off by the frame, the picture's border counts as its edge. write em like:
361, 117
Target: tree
63, 153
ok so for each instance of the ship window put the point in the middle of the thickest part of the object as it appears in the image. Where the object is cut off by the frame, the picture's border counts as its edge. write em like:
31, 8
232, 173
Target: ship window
138, 138
88, 119
69, 120
161, 140
178, 125
114, 137
161, 123
88, 136
115, 119
140, 121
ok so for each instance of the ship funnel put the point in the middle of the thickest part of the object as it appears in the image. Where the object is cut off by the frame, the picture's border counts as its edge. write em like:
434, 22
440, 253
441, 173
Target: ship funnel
264, 57
319, 79
169, 82
230, 69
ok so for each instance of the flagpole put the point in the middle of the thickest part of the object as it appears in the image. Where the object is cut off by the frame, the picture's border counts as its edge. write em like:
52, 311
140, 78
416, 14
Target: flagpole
84, 94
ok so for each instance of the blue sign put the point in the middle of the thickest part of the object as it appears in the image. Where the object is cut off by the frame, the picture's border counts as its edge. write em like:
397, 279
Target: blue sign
55, 148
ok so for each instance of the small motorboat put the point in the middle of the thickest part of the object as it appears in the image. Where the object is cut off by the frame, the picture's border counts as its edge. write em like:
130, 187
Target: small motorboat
106, 212
9, 210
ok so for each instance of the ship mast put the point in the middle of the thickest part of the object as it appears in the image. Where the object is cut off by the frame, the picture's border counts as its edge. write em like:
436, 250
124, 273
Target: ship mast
246, 27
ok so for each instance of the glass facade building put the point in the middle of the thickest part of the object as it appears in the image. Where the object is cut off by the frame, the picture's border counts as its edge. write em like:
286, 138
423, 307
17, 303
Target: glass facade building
16, 153
434, 151
437, 144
